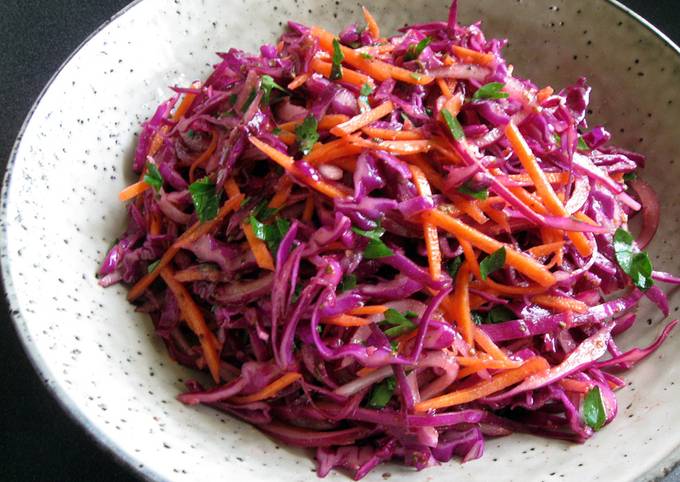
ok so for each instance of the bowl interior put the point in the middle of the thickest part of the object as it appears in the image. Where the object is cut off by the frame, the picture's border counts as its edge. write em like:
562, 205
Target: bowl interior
60, 214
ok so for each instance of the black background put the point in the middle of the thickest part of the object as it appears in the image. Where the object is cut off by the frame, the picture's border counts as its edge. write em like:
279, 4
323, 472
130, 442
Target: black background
38, 441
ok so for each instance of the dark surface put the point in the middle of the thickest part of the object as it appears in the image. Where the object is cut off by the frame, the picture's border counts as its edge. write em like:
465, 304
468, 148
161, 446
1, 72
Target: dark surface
38, 441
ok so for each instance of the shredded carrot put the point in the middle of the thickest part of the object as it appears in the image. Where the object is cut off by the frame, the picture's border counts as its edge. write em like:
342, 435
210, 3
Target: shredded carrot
327, 122
443, 147
454, 104
490, 364
348, 75
362, 372
544, 93
323, 153
372, 25
552, 177
309, 209
348, 164
392, 135
560, 303
473, 56
485, 388
288, 164
583, 217
461, 302
346, 320
485, 343
471, 208
448, 60
545, 249
205, 155
188, 237
285, 186
496, 215
186, 103
269, 391
434, 256
520, 261
543, 187
433, 177
363, 119
263, 257
194, 318
288, 138
378, 70
368, 310
444, 87
572, 385
298, 81
394, 147
133, 190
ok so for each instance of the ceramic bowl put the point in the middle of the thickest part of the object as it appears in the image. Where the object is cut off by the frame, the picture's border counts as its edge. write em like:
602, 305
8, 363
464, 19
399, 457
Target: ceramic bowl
101, 359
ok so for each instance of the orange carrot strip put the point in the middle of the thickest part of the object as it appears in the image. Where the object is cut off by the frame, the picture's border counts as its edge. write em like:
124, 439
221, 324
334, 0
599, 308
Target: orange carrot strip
395, 147
320, 153
376, 69
185, 104
572, 385
263, 257
444, 87
545, 249
496, 215
434, 255
346, 320
485, 388
269, 391
461, 300
298, 81
327, 122
486, 364
487, 344
362, 372
348, 164
552, 177
470, 208
433, 177
205, 155
520, 261
133, 190
443, 147
368, 310
282, 193
560, 303
543, 187
454, 104
474, 56
194, 317
348, 75
391, 135
372, 25
288, 164
189, 236
544, 93
363, 119
309, 209
288, 138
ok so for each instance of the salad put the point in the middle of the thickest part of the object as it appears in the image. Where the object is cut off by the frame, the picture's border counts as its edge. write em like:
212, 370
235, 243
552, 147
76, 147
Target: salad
389, 248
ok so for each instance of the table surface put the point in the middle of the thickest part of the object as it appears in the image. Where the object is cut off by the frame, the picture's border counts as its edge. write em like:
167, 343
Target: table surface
39, 441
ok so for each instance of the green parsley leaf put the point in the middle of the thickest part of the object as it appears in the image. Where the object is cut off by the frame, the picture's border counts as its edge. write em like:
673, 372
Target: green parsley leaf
453, 124
594, 413
394, 345
492, 263
349, 281
400, 323
558, 139
249, 100
233, 98
492, 90
375, 248
454, 265
415, 75
481, 194
276, 131
307, 134
267, 84
478, 318
263, 211
582, 146
499, 314
382, 393
338, 57
637, 265
365, 55
153, 177
205, 198
191, 133
366, 90
153, 266
428, 111
630, 176
272, 234
414, 50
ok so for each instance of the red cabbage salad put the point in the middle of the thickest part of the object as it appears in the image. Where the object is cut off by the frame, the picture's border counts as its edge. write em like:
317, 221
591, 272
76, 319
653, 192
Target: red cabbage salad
389, 248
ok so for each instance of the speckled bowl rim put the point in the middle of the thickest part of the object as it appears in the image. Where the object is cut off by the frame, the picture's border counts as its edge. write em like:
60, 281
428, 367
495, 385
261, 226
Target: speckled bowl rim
660, 470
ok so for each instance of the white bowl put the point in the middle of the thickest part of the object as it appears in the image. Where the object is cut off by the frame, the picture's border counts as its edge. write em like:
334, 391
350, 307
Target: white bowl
101, 359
